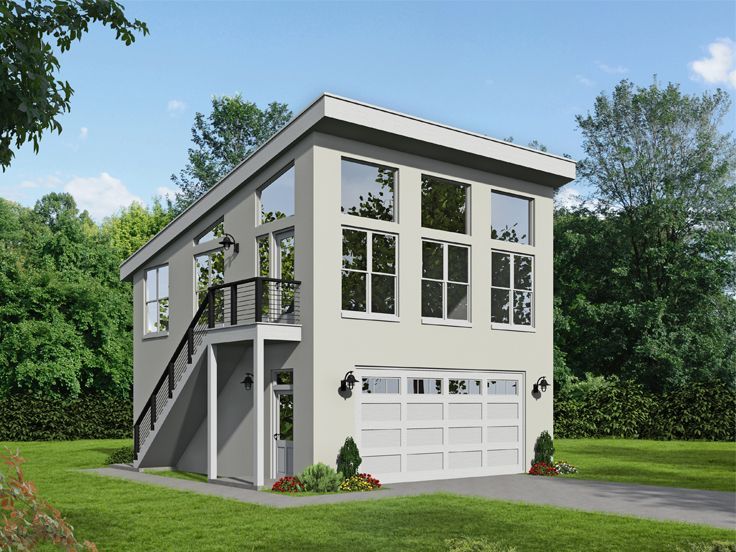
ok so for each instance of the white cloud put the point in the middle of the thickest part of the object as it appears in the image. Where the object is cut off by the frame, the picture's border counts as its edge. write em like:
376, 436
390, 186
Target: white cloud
176, 106
83, 133
165, 192
720, 67
612, 69
585, 81
44, 182
100, 195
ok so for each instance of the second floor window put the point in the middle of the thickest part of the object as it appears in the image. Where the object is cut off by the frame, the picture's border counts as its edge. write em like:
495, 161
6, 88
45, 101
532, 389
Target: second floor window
445, 281
277, 197
368, 272
510, 218
512, 295
368, 190
444, 205
209, 270
157, 300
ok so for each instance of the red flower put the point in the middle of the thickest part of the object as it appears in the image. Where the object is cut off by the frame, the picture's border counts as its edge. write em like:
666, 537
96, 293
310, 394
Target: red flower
542, 468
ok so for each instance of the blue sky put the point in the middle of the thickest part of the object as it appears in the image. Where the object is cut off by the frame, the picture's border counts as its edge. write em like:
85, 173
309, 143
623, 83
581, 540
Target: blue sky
521, 69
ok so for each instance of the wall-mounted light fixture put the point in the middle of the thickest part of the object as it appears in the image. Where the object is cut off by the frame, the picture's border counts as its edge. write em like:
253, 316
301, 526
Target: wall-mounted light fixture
227, 241
248, 381
348, 382
541, 384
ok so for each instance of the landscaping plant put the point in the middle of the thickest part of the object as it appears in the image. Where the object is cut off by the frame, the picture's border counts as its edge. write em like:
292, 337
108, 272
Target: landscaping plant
565, 468
348, 461
27, 519
544, 449
288, 484
123, 455
320, 478
360, 482
543, 468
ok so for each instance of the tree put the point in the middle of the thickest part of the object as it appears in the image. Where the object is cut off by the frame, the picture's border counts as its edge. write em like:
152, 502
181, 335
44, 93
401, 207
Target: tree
131, 227
645, 280
231, 132
31, 32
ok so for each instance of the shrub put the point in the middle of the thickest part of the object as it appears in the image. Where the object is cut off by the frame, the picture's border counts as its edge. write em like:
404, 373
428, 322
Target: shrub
565, 468
469, 544
123, 455
360, 482
27, 519
288, 484
348, 461
543, 468
544, 449
320, 478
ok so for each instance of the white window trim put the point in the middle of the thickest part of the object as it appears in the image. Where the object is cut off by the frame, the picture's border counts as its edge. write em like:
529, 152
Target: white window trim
445, 321
511, 326
395, 215
367, 314
146, 301
532, 204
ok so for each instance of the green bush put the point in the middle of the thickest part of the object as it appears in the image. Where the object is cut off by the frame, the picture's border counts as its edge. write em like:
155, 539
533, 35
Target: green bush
33, 418
627, 410
348, 461
123, 455
320, 478
544, 449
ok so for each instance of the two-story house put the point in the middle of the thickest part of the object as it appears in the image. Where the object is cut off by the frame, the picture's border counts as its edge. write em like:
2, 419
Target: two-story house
364, 273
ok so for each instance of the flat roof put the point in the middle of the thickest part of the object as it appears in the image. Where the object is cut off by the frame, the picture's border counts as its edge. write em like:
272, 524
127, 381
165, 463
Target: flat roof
360, 121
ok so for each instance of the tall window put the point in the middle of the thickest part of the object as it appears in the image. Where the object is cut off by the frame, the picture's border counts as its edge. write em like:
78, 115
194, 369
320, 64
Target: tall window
445, 281
512, 293
444, 205
368, 190
368, 272
277, 197
510, 216
157, 300
209, 271
216, 231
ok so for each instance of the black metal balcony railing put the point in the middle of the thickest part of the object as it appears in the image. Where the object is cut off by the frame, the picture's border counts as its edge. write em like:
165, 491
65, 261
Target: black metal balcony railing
245, 302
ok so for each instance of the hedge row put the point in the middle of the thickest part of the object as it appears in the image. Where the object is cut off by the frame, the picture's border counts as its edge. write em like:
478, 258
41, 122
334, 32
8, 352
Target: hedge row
27, 418
626, 410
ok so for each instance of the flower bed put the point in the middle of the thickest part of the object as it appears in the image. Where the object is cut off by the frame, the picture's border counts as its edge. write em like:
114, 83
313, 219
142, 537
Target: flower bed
288, 484
543, 468
565, 468
360, 483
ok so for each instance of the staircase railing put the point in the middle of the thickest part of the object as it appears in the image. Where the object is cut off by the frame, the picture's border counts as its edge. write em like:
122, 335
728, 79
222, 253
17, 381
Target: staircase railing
252, 301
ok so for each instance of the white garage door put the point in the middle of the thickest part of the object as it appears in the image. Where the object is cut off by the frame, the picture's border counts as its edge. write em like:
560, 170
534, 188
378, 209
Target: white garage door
434, 424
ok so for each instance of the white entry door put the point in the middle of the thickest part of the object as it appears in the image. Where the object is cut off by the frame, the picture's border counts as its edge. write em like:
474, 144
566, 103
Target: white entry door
284, 437
439, 424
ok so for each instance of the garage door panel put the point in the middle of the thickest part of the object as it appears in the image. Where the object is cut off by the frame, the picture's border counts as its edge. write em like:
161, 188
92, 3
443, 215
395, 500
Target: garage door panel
424, 461
502, 434
503, 411
466, 459
422, 411
382, 412
424, 436
502, 457
465, 435
389, 463
381, 438
465, 411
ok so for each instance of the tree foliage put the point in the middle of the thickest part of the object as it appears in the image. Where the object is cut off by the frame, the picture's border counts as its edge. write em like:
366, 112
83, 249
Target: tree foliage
31, 33
644, 281
222, 139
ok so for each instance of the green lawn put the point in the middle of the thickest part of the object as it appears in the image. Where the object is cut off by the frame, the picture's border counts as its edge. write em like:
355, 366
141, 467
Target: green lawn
690, 464
123, 515
186, 476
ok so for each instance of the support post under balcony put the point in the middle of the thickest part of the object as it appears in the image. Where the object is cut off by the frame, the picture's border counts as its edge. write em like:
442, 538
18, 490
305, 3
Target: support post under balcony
211, 413
259, 300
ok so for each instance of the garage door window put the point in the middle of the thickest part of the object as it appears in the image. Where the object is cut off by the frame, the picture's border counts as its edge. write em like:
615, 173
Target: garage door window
464, 387
424, 386
380, 385
502, 387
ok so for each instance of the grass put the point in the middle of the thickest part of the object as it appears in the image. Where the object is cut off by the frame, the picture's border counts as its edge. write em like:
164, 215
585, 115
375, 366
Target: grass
124, 515
689, 464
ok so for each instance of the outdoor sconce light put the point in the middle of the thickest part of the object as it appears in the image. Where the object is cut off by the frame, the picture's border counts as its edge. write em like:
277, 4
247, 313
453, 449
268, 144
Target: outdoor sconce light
348, 382
541, 384
227, 241
248, 381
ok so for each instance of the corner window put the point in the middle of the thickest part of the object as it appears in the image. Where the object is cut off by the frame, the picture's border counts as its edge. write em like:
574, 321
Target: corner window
464, 387
510, 216
216, 231
424, 386
444, 205
512, 295
209, 270
381, 385
445, 281
368, 190
277, 197
157, 300
368, 272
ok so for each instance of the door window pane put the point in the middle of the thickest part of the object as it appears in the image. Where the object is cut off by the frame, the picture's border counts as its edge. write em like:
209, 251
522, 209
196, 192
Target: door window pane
286, 257
424, 386
444, 204
510, 218
277, 198
368, 190
286, 417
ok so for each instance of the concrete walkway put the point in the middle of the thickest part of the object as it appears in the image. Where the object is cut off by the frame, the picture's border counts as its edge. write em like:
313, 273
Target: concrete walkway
714, 508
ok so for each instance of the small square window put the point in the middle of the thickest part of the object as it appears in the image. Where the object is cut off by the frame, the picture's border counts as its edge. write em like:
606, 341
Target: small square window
368, 190
444, 205
510, 216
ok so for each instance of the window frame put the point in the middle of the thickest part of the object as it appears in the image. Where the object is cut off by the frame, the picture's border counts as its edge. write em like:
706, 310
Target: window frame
157, 300
262, 188
195, 280
530, 214
445, 321
199, 239
511, 326
379, 165
369, 272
